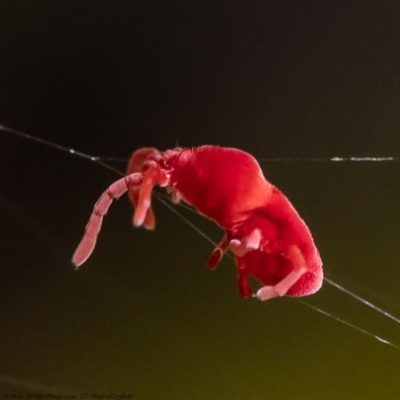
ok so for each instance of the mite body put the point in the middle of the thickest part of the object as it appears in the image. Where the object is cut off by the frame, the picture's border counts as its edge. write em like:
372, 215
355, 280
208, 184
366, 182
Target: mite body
262, 229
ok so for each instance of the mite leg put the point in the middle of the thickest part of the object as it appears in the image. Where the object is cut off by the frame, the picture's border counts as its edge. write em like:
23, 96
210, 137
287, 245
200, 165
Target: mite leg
248, 243
243, 278
176, 195
136, 163
238, 247
92, 229
150, 177
150, 220
281, 288
218, 253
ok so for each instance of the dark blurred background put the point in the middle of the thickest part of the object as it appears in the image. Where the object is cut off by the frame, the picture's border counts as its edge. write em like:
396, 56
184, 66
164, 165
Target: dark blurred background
279, 79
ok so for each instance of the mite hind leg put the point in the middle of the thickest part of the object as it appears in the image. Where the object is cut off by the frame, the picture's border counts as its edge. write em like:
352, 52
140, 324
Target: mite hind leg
281, 288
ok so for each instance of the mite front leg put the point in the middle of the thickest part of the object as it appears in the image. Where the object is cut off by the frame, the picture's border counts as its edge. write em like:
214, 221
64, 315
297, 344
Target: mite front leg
150, 220
281, 288
92, 229
151, 177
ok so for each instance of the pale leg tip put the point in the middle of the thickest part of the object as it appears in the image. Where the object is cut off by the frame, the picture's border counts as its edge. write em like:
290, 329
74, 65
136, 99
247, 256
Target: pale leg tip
266, 293
138, 221
76, 264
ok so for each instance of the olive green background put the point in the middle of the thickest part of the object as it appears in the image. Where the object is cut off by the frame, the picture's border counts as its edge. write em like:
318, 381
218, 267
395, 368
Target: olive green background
144, 317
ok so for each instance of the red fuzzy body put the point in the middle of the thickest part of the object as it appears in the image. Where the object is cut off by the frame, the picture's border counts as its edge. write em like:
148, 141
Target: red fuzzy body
224, 184
228, 186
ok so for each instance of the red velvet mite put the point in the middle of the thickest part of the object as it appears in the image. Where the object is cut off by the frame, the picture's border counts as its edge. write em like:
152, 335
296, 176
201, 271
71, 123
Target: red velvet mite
262, 229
